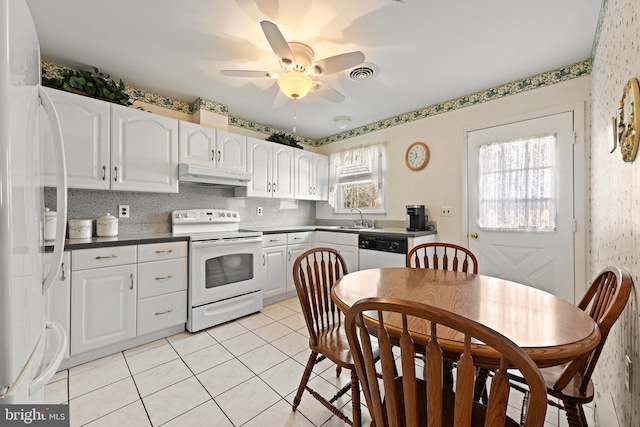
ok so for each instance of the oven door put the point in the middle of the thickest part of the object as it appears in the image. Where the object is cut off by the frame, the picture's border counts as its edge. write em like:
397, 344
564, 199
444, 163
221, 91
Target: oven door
224, 268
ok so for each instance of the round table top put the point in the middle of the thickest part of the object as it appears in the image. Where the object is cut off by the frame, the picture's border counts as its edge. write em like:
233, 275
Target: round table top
551, 330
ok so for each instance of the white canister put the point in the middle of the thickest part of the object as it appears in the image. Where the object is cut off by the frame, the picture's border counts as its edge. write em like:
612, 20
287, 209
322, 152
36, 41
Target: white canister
80, 228
50, 220
107, 225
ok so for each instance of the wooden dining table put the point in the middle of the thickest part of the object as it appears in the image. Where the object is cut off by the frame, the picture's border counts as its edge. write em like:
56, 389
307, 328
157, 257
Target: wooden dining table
551, 330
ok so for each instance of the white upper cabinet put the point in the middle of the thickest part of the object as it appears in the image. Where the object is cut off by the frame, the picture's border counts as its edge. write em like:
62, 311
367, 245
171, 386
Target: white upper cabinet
144, 151
311, 176
271, 167
231, 151
109, 146
208, 147
85, 128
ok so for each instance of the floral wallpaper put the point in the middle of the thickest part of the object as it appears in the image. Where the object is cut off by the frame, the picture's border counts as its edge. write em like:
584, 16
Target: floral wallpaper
543, 79
615, 197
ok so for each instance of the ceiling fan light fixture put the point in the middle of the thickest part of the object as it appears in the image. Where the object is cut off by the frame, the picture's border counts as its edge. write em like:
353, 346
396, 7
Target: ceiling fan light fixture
295, 84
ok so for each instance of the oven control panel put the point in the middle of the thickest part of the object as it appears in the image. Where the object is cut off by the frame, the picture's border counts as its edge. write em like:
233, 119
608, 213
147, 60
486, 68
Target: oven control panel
203, 216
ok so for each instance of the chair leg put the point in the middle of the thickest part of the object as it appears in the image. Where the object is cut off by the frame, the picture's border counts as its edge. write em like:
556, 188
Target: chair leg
575, 415
305, 379
338, 370
355, 398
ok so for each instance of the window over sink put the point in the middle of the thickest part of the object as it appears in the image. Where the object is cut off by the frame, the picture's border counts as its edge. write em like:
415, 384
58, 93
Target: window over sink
356, 177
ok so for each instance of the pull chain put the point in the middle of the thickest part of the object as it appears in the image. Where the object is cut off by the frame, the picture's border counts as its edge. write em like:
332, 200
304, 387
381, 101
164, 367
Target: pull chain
295, 117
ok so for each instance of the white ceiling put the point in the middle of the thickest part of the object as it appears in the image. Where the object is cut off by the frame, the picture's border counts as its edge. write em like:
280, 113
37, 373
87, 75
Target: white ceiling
427, 51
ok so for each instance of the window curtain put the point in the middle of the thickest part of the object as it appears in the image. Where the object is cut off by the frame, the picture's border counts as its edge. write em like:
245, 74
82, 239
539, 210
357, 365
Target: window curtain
516, 188
355, 164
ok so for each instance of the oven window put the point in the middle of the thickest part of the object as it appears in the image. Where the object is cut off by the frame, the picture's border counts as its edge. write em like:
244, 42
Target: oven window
227, 269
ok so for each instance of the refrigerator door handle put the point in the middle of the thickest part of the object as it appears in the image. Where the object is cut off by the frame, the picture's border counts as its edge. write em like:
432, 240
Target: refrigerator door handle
61, 189
50, 370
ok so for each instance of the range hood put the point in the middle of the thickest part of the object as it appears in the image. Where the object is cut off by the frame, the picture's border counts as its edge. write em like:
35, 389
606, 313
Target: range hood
212, 176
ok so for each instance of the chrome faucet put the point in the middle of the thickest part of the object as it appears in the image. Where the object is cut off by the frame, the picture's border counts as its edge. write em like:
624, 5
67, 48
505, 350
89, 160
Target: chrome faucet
355, 223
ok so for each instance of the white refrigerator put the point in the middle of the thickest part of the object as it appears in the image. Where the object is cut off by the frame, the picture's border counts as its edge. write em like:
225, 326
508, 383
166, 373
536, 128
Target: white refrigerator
25, 363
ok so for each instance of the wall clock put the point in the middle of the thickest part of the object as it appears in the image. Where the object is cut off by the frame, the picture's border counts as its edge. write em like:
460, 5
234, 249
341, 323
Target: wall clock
417, 156
628, 120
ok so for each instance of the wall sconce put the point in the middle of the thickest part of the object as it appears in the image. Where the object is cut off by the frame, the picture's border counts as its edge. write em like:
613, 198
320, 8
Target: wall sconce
342, 122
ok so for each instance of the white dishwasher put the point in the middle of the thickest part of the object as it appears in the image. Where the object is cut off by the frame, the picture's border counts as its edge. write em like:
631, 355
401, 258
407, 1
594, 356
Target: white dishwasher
379, 249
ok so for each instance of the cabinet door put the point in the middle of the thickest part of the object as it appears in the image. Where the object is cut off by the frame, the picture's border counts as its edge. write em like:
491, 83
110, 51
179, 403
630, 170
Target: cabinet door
293, 252
85, 132
282, 171
197, 144
231, 151
58, 299
103, 307
144, 151
303, 175
259, 160
320, 177
351, 257
274, 271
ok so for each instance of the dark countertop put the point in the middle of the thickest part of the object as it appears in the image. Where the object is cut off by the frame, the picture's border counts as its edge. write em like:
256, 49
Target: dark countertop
338, 229
121, 240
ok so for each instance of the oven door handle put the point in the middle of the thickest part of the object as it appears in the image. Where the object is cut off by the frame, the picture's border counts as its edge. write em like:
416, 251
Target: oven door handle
225, 242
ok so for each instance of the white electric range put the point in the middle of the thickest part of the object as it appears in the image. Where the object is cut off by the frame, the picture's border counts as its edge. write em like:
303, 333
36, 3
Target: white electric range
224, 269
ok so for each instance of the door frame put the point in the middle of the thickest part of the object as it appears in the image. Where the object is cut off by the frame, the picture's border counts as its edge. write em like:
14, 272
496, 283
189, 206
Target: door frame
580, 182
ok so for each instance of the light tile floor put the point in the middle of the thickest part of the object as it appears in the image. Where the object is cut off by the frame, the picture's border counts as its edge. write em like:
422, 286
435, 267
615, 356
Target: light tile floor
242, 373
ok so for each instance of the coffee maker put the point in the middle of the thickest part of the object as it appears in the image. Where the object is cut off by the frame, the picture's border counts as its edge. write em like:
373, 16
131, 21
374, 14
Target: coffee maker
415, 218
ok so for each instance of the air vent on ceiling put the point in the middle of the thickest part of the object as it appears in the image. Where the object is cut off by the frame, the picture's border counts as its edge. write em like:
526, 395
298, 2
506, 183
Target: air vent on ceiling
363, 72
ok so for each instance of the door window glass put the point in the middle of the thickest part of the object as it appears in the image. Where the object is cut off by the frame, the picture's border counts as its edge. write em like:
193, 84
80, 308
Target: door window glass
227, 269
516, 185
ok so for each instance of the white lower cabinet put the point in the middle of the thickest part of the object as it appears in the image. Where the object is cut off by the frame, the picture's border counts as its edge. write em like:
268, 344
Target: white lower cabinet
345, 243
103, 307
162, 290
123, 292
279, 254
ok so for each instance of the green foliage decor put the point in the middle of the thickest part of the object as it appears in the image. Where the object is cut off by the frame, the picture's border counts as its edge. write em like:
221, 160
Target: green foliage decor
96, 85
283, 138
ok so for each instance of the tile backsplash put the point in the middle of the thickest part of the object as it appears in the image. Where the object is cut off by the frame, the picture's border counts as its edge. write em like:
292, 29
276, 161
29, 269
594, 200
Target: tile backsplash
151, 212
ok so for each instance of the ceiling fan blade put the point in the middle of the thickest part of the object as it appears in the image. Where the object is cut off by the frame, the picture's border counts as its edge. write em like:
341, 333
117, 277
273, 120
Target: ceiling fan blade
328, 93
277, 41
336, 63
280, 99
246, 73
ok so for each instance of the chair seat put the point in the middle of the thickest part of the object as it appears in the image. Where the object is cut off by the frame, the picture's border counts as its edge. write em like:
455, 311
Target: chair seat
333, 343
571, 392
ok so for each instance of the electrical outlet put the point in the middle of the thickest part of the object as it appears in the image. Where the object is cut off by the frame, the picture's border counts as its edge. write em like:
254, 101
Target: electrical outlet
259, 211
627, 372
446, 211
123, 211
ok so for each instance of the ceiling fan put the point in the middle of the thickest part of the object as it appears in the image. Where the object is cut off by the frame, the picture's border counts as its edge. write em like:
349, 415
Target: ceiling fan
298, 67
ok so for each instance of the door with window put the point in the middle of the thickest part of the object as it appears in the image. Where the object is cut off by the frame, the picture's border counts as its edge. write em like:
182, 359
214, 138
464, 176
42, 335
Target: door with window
521, 202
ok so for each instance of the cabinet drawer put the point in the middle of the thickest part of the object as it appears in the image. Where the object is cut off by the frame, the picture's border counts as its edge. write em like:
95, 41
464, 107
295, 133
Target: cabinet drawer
83, 259
162, 277
327, 237
161, 312
274, 240
295, 238
160, 251
350, 239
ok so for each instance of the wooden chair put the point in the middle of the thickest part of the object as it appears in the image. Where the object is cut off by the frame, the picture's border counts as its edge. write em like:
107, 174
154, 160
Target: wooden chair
571, 383
409, 401
314, 273
442, 256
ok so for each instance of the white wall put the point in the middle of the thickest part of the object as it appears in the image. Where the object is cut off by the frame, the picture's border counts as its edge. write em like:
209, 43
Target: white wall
442, 182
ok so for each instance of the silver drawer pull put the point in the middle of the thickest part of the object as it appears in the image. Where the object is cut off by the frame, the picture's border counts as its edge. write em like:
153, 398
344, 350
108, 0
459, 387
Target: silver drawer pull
131, 281
297, 238
107, 256
273, 240
168, 276
158, 313
164, 251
